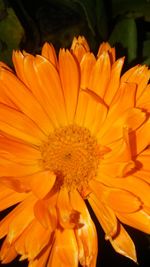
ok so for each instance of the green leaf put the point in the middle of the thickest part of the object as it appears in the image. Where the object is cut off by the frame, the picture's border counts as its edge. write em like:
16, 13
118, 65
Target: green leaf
11, 34
124, 35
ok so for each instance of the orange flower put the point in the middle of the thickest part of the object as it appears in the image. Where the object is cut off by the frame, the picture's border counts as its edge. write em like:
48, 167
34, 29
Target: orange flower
72, 129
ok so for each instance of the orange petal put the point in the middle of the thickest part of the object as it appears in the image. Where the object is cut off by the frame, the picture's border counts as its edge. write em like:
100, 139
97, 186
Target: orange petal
143, 175
38, 89
122, 201
18, 61
68, 218
105, 216
131, 119
16, 124
5, 66
65, 250
69, 74
87, 244
86, 66
117, 169
138, 143
23, 98
100, 75
96, 112
114, 82
17, 169
36, 239
117, 199
79, 47
86, 235
46, 216
105, 47
123, 100
17, 151
48, 89
7, 252
42, 258
139, 75
143, 158
144, 99
24, 208
124, 245
45, 181
19, 243
8, 197
130, 183
49, 53
120, 150
139, 220
18, 223
5, 99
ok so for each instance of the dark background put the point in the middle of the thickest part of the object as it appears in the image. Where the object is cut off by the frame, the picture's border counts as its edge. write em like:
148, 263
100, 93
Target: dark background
27, 24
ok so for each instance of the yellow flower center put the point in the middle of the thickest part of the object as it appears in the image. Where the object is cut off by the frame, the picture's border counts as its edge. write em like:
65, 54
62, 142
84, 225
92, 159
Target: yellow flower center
72, 154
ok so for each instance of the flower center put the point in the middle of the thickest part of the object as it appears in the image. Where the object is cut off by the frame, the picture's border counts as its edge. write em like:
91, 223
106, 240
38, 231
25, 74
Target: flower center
72, 154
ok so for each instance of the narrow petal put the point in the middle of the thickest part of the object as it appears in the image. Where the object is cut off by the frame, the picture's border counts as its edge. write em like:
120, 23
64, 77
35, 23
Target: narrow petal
18, 61
17, 169
123, 100
138, 143
86, 66
79, 47
105, 216
17, 151
105, 47
139, 75
49, 53
100, 75
114, 82
42, 258
5, 99
65, 249
68, 217
18, 224
50, 94
96, 112
9, 198
86, 235
14, 222
69, 74
144, 100
18, 125
36, 239
19, 243
45, 215
7, 252
124, 245
25, 100
32, 70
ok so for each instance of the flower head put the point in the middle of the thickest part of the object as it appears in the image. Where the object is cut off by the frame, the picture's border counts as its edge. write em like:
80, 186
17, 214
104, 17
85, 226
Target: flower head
72, 128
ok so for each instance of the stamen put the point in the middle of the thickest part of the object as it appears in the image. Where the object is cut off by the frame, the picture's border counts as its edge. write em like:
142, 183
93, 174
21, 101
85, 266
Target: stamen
73, 155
